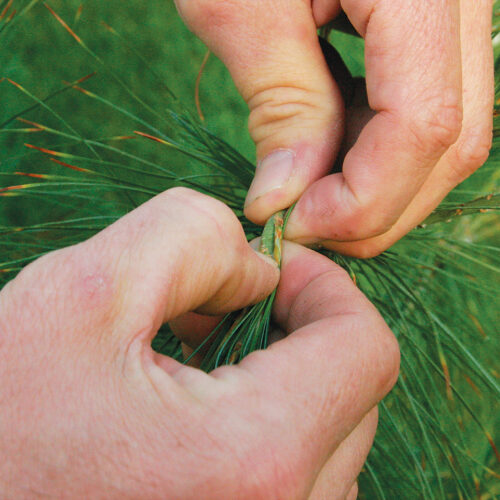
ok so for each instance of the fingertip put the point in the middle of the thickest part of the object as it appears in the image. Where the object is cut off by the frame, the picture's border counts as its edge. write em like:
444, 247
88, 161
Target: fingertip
254, 278
313, 215
259, 209
255, 245
284, 174
278, 182
268, 272
332, 209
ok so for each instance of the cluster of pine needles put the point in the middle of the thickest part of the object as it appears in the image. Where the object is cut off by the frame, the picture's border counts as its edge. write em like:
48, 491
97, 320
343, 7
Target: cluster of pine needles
435, 288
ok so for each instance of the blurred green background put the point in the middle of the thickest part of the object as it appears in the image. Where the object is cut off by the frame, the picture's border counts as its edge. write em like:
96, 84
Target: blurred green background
37, 53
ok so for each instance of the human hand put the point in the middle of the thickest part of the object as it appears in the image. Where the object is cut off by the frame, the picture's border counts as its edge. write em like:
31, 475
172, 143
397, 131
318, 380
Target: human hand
320, 376
429, 68
88, 410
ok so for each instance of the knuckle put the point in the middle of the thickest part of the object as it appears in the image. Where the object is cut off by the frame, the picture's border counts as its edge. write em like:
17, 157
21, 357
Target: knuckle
181, 193
389, 358
436, 124
368, 249
207, 210
470, 151
369, 221
200, 214
194, 198
202, 15
277, 108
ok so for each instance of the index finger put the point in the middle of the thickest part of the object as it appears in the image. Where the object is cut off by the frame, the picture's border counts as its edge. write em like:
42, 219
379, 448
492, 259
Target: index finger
413, 75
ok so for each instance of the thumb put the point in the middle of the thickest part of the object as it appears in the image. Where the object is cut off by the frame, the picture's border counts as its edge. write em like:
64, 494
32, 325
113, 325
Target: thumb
296, 119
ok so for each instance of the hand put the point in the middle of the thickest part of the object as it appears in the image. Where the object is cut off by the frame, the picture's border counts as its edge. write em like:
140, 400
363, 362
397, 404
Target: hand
429, 68
88, 410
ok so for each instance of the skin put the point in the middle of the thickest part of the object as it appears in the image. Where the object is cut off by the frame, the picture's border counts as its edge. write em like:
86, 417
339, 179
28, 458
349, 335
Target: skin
422, 127
88, 410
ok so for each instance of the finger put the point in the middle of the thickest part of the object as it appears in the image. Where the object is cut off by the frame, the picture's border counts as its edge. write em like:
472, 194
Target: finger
192, 328
414, 84
472, 147
337, 479
325, 10
353, 493
337, 363
296, 113
178, 252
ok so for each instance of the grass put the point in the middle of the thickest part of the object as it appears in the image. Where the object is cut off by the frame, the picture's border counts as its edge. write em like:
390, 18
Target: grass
101, 147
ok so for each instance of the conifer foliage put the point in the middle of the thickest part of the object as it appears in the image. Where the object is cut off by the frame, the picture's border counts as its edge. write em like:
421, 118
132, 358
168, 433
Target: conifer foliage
61, 182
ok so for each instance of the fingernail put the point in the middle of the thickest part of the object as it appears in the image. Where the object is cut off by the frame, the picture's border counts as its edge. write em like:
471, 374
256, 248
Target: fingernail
266, 258
255, 244
272, 173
